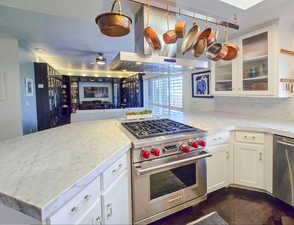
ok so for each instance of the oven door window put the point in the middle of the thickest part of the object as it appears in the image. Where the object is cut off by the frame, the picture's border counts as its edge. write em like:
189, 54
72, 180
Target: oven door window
173, 180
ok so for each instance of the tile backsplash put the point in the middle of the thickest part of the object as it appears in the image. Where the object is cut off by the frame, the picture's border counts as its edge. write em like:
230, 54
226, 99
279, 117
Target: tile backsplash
276, 108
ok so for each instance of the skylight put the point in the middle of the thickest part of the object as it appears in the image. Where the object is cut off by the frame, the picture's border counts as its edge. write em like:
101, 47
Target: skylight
242, 4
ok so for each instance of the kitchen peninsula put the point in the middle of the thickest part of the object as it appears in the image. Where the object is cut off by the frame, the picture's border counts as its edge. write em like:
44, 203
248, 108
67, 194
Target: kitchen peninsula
52, 171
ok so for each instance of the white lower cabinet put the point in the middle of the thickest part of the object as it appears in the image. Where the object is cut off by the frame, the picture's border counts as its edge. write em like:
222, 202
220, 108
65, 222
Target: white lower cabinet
115, 202
249, 165
219, 167
104, 201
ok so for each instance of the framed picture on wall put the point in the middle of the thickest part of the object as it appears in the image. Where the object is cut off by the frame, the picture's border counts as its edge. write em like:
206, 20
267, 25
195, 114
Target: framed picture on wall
201, 85
29, 87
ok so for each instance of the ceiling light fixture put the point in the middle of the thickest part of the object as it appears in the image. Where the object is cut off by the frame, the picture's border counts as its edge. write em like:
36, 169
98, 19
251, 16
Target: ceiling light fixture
100, 59
243, 4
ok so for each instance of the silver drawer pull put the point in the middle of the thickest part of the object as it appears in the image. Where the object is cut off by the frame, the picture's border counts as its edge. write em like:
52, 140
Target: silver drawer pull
74, 210
87, 197
260, 156
228, 155
175, 199
245, 137
109, 210
253, 137
113, 171
98, 221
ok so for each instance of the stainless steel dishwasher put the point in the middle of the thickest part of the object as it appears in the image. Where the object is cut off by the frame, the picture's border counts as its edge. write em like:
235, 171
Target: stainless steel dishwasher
283, 180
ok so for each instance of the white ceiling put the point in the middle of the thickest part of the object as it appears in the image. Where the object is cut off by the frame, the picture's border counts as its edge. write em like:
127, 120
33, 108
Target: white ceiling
67, 31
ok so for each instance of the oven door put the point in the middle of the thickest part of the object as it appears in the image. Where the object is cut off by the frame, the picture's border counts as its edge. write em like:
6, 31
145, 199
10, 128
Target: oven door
164, 183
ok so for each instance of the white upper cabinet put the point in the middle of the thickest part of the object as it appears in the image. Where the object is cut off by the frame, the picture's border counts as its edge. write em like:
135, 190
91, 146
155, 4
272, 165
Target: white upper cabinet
257, 70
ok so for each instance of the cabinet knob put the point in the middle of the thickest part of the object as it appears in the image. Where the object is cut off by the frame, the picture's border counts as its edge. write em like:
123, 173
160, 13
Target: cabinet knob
74, 210
87, 197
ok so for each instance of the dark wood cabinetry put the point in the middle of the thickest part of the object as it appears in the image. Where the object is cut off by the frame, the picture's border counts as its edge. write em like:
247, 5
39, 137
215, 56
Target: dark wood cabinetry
52, 96
132, 91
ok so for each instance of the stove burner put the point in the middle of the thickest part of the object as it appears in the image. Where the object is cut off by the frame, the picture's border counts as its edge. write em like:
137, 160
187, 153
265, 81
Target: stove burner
153, 128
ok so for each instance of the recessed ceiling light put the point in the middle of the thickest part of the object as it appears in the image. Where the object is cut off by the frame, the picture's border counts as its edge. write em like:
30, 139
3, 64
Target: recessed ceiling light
40, 49
243, 4
138, 63
96, 75
124, 70
108, 76
84, 75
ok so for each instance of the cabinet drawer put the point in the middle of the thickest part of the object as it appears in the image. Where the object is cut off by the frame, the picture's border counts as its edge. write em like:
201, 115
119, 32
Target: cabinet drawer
113, 172
250, 137
78, 206
92, 216
218, 139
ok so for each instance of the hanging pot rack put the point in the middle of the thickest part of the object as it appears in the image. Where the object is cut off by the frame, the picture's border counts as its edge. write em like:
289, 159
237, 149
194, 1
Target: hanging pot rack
198, 16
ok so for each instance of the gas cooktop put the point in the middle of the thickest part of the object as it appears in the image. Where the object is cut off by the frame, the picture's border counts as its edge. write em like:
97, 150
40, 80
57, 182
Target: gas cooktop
157, 127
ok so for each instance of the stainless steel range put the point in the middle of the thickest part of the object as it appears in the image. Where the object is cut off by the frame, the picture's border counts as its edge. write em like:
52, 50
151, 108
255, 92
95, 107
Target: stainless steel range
168, 168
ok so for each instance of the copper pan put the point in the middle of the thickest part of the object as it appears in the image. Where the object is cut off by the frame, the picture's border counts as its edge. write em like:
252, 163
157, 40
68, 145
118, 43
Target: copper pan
200, 47
190, 39
169, 37
152, 38
180, 27
233, 51
217, 51
209, 35
150, 34
114, 24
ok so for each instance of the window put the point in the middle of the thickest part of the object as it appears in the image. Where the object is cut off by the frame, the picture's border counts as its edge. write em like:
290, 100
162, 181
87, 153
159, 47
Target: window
165, 91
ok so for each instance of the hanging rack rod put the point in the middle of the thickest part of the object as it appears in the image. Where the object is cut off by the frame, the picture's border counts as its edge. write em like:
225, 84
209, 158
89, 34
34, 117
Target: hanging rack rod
209, 19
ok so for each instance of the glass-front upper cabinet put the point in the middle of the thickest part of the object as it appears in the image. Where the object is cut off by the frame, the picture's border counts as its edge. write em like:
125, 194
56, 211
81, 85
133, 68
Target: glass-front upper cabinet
255, 61
223, 76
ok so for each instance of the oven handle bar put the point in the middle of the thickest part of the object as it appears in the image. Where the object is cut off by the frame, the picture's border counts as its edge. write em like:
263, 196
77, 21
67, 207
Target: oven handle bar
150, 169
285, 143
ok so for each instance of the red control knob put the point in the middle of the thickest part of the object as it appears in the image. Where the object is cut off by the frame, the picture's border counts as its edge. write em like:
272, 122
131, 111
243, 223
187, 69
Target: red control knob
194, 144
155, 152
145, 154
185, 148
202, 143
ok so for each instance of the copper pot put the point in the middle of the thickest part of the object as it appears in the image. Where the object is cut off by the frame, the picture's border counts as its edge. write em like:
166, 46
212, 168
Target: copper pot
180, 28
114, 24
190, 39
200, 47
170, 37
233, 51
152, 38
209, 35
217, 51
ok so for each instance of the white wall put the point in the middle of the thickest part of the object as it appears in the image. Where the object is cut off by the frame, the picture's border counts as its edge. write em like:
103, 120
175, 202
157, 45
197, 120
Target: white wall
10, 108
95, 84
29, 107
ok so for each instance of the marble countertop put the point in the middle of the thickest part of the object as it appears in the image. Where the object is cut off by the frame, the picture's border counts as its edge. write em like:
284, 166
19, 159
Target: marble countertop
39, 173
42, 171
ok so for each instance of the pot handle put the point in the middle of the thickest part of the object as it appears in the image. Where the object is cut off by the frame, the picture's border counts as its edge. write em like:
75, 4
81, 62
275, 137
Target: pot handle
114, 4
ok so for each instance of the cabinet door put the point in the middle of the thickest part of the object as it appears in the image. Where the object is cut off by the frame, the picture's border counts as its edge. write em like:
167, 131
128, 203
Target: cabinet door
224, 77
249, 165
116, 202
219, 167
256, 66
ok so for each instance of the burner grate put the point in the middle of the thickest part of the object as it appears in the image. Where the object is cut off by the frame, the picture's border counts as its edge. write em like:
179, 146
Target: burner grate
159, 127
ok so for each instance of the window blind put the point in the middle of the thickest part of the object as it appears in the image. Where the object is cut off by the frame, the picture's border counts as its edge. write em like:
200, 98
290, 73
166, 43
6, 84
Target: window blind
165, 91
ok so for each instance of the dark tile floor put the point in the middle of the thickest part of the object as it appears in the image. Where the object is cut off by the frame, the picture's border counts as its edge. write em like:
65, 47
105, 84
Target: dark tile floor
237, 207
